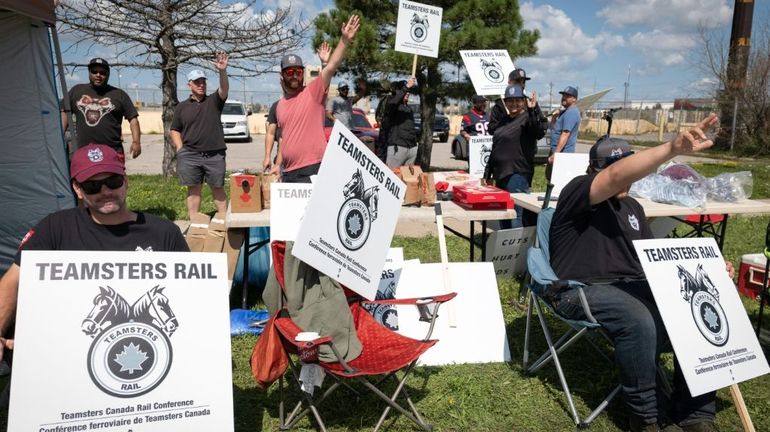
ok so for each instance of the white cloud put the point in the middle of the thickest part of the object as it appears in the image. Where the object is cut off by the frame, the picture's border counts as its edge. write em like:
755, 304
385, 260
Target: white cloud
667, 15
554, 55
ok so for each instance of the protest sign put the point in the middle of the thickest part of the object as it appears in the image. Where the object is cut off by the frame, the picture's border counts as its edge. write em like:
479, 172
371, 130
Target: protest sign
418, 28
478, 335
115, 341
567, 166
488, 70
288, 202
352, 214
507, 250
386, 314
479, 149
711, 334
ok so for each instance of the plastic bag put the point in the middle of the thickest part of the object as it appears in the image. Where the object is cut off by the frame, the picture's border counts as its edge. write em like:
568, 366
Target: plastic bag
730, 187
673, 184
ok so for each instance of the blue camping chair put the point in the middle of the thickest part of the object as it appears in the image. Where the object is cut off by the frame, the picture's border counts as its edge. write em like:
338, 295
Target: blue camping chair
543, 278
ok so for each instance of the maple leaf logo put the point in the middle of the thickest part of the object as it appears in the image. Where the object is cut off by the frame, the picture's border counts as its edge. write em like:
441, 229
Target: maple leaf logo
711, 318
354, 224
391, 319
131, 358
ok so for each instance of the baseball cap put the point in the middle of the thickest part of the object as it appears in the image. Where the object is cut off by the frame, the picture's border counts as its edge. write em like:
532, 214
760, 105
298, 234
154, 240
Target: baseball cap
514, 91
569, 90
98, 61
607, 151
291, 60
95, 159
195, 74
342, 85
478, 98
518, 74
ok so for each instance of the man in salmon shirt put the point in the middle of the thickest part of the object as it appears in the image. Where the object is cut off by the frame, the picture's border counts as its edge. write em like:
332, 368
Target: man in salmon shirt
302, 109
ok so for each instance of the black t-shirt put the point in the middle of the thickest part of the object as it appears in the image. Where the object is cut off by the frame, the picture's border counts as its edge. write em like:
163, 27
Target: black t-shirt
200, 123
74, 229
594, 243
99, 114
272, 118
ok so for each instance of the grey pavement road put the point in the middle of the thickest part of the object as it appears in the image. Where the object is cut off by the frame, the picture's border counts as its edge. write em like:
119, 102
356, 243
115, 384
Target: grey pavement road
249, 155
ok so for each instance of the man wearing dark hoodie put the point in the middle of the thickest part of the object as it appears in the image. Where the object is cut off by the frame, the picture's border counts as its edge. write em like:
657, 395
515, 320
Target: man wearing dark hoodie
402, 136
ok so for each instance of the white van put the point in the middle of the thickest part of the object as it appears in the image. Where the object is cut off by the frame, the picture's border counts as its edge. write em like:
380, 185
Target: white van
235, 121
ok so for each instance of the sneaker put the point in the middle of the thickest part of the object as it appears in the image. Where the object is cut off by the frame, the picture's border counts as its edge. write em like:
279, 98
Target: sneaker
704, 426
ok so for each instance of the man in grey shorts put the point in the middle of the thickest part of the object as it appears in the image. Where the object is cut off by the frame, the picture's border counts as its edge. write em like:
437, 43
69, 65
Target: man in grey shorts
196, 131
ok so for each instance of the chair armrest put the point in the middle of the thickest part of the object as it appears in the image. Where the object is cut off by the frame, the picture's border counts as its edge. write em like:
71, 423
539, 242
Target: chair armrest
417, 301
289, 330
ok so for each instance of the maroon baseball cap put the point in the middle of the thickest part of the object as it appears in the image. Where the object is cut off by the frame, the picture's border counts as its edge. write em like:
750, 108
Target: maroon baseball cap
95, 159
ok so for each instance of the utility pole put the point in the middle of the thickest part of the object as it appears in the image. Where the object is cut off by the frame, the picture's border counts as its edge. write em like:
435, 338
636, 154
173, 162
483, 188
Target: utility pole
550, 95
627, 92
737, 64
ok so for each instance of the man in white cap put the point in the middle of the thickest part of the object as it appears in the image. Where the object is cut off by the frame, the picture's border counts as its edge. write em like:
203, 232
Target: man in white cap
196, 132
302, 109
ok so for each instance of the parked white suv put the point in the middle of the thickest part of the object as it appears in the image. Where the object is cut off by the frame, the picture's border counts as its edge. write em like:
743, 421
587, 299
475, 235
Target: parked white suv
235, 121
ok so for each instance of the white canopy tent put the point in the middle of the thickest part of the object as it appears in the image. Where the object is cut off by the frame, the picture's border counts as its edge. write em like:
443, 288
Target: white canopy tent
34, 171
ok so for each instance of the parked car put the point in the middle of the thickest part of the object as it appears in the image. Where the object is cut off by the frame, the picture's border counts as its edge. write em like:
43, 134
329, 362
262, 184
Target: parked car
361, 128
440, 123
235, 121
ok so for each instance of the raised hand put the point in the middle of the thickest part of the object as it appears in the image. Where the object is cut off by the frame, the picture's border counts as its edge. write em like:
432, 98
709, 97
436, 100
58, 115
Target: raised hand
220, 63
695, 140
324, 52
350, 28
532, 101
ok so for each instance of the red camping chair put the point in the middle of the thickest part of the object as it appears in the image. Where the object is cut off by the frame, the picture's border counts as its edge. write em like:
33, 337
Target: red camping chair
384, 353
711, 224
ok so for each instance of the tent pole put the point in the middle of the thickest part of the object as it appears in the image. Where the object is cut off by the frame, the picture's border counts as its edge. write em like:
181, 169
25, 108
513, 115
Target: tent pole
62, 82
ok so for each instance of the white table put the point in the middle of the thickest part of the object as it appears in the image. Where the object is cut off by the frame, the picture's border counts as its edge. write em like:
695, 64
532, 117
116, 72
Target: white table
449, 210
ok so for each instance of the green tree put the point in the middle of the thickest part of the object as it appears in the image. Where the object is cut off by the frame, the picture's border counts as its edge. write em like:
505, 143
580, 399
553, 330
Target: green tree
466, 24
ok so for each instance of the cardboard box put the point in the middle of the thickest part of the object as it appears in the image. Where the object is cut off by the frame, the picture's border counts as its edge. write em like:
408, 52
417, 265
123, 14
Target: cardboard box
751, 275
410, 175
482, 198
196, 233
215, 236
245, 193
232, 247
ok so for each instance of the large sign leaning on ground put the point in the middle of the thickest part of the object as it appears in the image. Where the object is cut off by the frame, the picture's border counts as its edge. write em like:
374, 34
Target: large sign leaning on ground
115, 341
488, 70
287, 209
351, 217
418, 28
705, 320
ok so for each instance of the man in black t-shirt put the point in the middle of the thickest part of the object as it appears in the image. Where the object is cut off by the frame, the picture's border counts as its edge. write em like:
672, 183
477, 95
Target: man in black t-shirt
591, 241
103, 223
196, 132
99, 109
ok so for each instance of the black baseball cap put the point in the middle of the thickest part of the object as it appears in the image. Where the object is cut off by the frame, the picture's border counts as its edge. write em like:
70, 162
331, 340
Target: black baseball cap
291, 60
607, 151
518, 74
98, 61
478, 98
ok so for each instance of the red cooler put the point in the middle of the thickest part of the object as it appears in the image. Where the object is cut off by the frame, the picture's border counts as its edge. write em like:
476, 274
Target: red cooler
751, 274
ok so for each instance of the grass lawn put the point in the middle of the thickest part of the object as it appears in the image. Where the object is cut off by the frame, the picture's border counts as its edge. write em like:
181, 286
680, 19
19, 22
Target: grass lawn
485, 397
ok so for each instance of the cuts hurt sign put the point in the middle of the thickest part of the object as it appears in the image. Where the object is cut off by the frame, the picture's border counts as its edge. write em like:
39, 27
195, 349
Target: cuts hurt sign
123, 332
352, 214
704, 318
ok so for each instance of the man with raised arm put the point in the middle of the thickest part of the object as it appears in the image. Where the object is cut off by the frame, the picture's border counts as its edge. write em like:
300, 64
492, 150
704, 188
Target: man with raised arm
591, 237
302, 110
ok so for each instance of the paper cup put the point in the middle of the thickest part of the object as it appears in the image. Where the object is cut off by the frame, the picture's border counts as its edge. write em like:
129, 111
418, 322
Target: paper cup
308, 353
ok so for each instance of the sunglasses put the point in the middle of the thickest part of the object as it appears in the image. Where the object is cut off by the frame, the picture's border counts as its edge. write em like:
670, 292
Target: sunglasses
101, 72
298, 72
95, 186
609, 160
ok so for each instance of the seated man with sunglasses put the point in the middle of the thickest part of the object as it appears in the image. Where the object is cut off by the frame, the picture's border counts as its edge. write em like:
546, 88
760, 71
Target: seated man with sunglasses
302, 110
591, 238
102, 223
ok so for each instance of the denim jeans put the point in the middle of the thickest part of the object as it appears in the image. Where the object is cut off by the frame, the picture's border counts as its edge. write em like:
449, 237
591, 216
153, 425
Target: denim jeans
627, 312
514, 183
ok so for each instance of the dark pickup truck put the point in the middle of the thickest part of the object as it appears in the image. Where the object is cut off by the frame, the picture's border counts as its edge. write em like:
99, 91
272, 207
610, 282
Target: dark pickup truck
440, 123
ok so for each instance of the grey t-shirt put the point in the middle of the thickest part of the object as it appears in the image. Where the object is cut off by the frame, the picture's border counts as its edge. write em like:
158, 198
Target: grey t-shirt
341, 109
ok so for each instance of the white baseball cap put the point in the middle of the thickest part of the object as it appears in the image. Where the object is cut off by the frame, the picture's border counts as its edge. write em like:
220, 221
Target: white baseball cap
195, 74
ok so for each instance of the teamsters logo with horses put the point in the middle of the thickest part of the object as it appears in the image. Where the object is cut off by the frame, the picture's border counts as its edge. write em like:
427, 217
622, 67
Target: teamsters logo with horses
358, 211
131, 353
703, 296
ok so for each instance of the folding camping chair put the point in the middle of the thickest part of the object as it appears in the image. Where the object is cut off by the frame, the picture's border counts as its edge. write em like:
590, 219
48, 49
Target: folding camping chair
714, 225
384, 353
542, 277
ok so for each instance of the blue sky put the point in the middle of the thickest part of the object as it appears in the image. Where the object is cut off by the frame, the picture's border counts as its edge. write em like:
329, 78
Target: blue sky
588, 43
